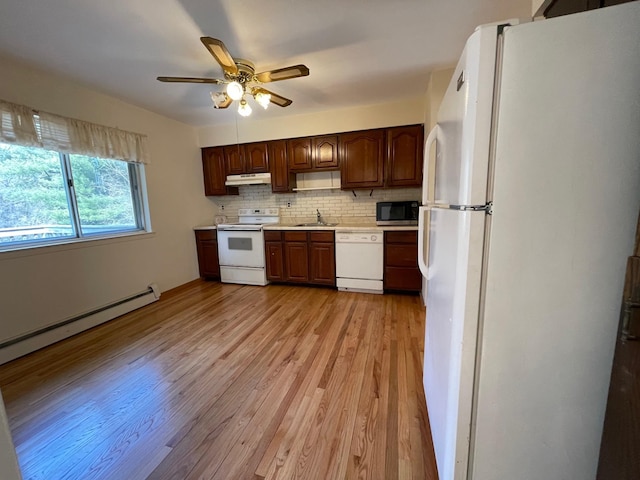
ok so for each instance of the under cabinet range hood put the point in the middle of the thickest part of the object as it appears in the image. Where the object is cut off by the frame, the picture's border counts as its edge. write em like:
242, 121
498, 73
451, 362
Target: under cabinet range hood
248, 179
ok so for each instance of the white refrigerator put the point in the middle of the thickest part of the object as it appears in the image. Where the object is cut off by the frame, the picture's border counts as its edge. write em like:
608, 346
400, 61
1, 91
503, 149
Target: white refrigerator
537, 191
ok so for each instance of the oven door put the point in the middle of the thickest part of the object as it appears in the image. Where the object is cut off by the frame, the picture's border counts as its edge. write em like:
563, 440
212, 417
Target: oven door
241, 248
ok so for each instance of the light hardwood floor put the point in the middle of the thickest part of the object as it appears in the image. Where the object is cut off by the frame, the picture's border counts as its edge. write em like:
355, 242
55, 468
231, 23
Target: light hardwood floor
230, 382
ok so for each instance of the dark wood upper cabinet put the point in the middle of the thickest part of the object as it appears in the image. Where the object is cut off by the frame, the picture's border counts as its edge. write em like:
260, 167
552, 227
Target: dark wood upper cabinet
234, 159
299, 150
256, 157
282, 180
379, 158
362, 157
313, 153
214, 172
558, 8
404, 156
324, 152
246, 158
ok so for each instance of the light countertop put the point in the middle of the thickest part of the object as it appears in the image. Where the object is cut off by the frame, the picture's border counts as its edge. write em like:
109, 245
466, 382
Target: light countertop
352, 227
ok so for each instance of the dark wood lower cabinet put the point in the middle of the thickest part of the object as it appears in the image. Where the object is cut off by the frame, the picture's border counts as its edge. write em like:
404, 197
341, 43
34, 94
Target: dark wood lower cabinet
401, 272
207, 246
322, 258
296, 261
298, 256
275, 261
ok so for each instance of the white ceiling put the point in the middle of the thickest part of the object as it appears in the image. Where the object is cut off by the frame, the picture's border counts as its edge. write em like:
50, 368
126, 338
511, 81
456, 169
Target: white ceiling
359, 52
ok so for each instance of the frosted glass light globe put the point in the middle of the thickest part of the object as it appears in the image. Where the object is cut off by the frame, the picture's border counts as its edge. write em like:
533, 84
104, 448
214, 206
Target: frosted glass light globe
244, 109
263, 99
235, 91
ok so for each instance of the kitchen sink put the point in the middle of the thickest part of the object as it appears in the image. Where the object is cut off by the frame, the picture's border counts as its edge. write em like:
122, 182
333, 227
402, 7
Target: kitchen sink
316, 224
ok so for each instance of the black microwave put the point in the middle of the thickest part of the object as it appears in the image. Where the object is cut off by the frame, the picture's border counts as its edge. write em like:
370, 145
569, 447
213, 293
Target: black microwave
397, 213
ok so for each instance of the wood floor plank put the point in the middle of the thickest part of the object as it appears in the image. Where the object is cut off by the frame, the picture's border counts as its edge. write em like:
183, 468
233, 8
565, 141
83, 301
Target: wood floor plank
223, 381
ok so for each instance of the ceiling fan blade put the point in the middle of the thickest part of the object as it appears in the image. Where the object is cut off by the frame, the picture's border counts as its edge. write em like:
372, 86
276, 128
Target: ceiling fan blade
293, 71
191, 80
276, 99
221, 54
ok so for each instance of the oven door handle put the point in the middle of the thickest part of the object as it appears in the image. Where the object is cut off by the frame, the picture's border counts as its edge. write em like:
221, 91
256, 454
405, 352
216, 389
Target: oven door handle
257, 228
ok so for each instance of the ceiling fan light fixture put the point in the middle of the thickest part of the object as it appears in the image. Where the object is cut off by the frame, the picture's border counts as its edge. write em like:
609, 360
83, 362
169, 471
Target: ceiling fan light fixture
244, 108
218, 98
235, 90
263, 99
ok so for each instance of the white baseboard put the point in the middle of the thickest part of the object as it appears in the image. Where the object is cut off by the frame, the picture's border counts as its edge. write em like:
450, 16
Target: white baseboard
72, 327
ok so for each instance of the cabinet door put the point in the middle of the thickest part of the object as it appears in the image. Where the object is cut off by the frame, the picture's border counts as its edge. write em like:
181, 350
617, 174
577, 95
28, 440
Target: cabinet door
322, 261
207, 246
275, 261
296, 262
214, 172
299, 150
282, 181
362, 159
324, 152
404, 156
257, 158
401, 262
234, 156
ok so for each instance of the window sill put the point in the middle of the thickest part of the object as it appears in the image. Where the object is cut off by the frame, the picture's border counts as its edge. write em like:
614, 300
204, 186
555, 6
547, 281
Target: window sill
72, 244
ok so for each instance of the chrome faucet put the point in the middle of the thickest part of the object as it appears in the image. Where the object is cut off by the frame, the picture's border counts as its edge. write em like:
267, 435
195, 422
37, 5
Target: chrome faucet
318, 216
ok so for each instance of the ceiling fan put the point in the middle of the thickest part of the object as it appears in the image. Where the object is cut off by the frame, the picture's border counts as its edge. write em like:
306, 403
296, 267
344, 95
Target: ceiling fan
240, 79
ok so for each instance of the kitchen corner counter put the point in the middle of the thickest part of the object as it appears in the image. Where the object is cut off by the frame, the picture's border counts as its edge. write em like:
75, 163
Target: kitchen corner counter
352, 227
206, 227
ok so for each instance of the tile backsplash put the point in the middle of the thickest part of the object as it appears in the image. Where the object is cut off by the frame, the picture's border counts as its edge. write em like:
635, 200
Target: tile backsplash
334, 205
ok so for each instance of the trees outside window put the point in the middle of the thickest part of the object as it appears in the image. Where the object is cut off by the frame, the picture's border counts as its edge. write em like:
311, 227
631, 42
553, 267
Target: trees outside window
46, 196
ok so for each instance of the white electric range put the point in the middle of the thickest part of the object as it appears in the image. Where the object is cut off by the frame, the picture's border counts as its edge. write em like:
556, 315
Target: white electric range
241, 246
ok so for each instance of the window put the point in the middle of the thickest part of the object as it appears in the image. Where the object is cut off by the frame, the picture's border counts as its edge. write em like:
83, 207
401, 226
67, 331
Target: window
47, 196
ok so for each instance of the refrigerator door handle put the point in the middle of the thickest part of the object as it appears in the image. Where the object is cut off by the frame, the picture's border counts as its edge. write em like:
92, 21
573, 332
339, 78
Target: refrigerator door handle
486, 208
422, 262
429, 142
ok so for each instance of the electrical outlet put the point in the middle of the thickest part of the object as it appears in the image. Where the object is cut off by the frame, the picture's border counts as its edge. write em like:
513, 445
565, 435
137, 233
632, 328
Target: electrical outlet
288, 204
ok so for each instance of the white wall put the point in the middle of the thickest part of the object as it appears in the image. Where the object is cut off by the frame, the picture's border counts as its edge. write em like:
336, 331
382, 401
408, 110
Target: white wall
406, 112
43, 286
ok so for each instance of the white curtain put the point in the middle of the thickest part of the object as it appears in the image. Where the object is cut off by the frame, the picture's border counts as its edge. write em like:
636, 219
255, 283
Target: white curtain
24, 126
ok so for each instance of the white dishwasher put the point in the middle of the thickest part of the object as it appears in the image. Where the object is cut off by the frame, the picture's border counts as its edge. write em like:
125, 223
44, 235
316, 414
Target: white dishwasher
359, 261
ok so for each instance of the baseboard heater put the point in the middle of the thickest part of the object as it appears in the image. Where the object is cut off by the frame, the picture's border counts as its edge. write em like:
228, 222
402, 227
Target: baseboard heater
29, 342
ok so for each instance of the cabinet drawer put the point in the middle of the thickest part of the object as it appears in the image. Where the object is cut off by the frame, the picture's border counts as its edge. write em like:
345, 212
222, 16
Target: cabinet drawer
402, 278
401, 237
272, 236
295, 236
206, 235
321, 236
402, 255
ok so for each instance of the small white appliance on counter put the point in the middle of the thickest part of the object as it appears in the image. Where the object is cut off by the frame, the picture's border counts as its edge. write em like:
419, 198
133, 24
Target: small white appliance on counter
537, 191
359, 261
241, 246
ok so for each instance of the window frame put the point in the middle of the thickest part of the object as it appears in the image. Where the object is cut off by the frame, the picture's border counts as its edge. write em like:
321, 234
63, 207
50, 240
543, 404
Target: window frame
139, 199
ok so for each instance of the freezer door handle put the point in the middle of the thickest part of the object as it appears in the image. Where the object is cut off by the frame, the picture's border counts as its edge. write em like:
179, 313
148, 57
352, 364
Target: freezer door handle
422, 262
429, 142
